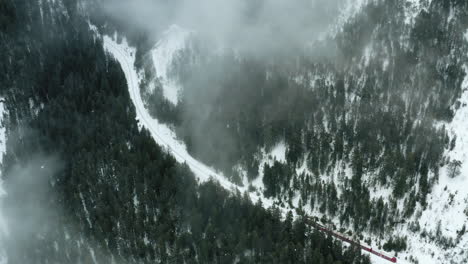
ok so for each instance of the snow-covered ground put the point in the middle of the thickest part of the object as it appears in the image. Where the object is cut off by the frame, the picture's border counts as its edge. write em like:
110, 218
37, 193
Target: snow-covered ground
3, 226
448, 202
163, 134
166, 137
413, 8
447, 211
277, 153
172, 41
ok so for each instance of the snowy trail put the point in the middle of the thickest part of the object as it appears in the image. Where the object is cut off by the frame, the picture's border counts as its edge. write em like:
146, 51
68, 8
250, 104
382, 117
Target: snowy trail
165, 137
161, 133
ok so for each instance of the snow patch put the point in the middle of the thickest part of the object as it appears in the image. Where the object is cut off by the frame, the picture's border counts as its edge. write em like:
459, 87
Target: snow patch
135, 200
279, 152
164, 52
385, 64
413, 8
368, 53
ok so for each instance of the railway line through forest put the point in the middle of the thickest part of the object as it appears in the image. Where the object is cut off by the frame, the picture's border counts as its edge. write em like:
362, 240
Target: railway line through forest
134, 92
343, 238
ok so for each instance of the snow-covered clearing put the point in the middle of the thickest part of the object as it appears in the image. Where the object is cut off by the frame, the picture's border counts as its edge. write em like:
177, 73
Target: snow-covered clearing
277, 153
173, 41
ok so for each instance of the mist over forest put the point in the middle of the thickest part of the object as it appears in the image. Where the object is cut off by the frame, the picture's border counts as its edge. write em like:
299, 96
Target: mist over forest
222, 131
256, 26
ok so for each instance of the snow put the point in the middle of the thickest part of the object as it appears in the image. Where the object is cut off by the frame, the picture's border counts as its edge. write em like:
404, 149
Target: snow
173, 41
93, 28
368, 54
163, 134
86, 210
41, 11
2, 129
451, 15
93, 256
449, 199
350, 9
279, 152
447, 203
413, 8
385, 64
3, 226
135, 200
450, 215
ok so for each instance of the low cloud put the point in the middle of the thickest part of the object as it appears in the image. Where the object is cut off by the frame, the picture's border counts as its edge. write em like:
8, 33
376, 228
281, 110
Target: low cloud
26, 210
245, 25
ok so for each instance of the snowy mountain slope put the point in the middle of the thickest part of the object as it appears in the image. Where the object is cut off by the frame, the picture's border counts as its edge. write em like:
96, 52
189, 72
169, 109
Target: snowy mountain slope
173, 41
3, 226
442, 220
437, 234
164, 136
447, 215
161, 133
447, 203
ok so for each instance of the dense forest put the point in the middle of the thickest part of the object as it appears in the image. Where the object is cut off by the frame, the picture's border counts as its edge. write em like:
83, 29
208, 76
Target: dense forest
103, 190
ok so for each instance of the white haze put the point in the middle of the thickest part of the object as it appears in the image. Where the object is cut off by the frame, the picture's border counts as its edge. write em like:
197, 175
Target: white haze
244, 25
27, 212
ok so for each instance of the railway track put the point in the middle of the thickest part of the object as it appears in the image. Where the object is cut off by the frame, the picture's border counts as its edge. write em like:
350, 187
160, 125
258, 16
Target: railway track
196, 167
348, 240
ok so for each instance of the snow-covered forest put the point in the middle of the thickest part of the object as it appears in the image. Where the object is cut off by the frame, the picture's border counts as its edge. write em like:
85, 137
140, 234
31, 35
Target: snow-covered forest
206, 132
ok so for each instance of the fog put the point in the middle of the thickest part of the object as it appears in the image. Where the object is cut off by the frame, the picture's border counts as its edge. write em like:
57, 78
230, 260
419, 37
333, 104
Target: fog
273, 31
244, 25
31, 213
274, 38
26, 208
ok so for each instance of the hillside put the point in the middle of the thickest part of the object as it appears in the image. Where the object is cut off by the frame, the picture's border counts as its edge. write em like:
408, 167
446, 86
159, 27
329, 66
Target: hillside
200, 132
368, 138
84, 182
